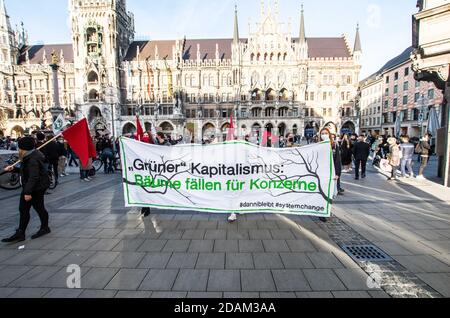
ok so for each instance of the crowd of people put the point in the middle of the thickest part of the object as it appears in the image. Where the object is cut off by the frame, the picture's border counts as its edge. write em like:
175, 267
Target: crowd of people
41, 152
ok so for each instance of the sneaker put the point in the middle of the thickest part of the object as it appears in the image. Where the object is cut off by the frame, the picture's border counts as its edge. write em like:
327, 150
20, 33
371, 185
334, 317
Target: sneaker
232, 218
86, 180
19, 236
41, 233
420, 178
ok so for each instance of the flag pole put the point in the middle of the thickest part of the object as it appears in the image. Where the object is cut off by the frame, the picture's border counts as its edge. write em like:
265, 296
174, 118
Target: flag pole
40, 147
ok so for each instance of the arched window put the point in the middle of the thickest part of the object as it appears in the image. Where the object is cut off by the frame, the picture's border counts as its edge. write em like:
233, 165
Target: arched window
258, 57
279, 56
271, 56
284, 56
265, 57
92, 77
252, 57
93, 95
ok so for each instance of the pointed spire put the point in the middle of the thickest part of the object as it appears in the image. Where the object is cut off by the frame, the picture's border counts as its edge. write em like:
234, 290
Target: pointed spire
357, 41
263, 8
302, 37
236, 26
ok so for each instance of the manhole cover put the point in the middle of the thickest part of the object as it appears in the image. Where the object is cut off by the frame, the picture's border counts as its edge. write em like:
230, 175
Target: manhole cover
366, 253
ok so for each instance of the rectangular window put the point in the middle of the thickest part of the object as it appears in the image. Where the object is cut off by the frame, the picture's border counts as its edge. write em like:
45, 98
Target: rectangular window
431, 94
405, 86
396, 76
387, 79
416, 97
395, 89
405, 100
324, 96
395, 102
407, 71
417, 84
387, 92
311, 96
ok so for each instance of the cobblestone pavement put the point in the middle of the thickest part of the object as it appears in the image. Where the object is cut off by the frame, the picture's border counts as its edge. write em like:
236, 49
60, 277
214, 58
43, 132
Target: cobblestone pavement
201, 255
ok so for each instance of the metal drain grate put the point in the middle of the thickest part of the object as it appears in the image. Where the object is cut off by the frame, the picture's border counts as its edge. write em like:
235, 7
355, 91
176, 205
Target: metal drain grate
366, 253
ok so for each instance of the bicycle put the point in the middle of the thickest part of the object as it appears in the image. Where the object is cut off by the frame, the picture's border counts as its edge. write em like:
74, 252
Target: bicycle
12, 181
97, 163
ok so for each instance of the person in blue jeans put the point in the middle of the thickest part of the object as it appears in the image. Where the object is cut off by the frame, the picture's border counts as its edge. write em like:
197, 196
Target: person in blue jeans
407, 150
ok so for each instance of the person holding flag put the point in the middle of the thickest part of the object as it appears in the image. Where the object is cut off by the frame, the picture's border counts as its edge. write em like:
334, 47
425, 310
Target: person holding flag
35, 182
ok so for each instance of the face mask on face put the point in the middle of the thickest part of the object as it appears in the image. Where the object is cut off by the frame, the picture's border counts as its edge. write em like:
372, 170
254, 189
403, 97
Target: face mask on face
325, 137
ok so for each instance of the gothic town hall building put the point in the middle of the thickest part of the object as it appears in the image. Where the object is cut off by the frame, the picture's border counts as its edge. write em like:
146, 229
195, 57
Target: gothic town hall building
276, 79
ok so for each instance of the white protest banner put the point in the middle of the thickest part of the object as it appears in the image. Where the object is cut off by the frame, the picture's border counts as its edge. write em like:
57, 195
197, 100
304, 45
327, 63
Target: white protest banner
229, 177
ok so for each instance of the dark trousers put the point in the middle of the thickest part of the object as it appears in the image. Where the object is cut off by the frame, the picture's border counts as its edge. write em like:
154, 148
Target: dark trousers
72, 159
360, 164
37, 202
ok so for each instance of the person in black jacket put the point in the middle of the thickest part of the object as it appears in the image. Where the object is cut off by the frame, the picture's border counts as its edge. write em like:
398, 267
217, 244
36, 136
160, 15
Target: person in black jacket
35, 181
361, 152
51, 153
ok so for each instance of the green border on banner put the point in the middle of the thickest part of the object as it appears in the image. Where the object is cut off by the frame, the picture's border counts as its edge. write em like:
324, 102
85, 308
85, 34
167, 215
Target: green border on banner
215, 210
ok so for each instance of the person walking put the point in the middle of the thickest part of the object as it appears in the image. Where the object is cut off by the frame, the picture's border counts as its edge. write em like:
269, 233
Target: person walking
407, 150
361, 152
423, 148
62, 152
160, 140
393, 157
326, 135
346, 147
35, 181
51, 153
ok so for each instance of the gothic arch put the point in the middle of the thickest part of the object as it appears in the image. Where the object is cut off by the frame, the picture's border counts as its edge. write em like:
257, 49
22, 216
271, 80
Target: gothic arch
128, 128
92, 77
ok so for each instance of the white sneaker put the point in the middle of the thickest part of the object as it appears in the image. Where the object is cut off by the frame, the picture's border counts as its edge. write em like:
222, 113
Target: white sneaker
420, 178
87, 180
232, 218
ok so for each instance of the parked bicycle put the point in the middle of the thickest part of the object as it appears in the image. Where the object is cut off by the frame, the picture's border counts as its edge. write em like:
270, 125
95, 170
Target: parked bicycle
12, 179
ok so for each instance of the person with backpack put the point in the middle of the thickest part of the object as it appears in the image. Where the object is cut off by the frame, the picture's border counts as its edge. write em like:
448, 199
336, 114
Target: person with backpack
35, 182
51, 152
423, 149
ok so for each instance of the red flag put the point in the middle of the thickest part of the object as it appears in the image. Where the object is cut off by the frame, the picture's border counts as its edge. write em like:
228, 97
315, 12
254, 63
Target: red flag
140, 130
79, 139
231, 130
266, 136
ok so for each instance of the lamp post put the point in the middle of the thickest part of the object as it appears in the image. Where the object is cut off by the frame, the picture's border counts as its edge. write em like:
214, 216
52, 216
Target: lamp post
111, 98
56, 110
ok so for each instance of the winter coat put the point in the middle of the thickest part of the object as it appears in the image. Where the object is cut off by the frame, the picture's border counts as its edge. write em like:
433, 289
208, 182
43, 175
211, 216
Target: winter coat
394, 155
407, 151
337, 159
34, 173
361, 150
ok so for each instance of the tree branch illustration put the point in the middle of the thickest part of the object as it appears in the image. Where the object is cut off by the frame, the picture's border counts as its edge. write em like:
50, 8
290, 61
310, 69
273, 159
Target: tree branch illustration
309, 163
155, 177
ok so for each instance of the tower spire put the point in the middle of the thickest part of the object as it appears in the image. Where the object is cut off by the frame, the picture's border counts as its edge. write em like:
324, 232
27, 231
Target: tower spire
236, 26
302, 27
358, 47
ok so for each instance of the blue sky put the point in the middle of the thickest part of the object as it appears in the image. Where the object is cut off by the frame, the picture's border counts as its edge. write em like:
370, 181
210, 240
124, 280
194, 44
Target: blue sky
385, 24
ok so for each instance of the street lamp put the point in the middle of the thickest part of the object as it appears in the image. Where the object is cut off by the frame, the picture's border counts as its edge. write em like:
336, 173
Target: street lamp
56, 110
111, 98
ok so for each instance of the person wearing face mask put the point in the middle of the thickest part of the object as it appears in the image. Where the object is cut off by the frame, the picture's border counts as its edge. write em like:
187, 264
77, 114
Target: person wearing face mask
35, 181
325, 135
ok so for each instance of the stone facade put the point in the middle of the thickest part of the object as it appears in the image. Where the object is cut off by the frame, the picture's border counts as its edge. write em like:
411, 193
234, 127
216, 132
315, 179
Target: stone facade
271, 80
